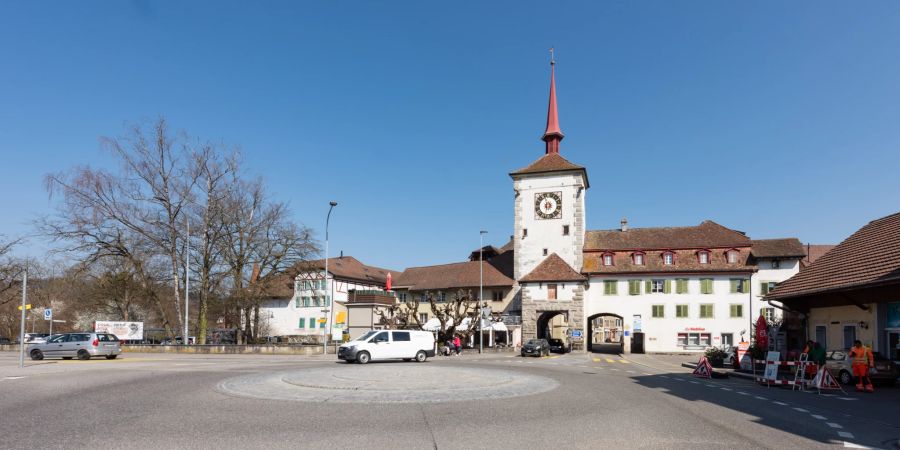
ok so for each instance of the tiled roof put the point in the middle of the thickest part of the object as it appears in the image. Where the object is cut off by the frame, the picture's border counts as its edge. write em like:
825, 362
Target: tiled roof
706, 235
451, 276
551, 162
346, 267
869, 257
553, 268
814, 252
777, 248
685, 261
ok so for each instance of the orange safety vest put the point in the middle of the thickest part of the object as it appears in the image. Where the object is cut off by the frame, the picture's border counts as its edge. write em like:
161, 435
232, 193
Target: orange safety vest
861, 356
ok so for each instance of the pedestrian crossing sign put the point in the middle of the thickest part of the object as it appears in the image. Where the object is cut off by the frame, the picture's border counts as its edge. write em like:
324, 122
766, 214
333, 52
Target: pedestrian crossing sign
704, 368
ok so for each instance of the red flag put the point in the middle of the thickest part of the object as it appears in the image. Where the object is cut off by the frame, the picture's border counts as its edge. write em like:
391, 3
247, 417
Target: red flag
762, 334
389, 281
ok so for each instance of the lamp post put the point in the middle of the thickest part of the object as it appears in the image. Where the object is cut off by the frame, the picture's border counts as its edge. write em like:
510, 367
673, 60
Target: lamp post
187, 280
480, 288
24, 307
327, 326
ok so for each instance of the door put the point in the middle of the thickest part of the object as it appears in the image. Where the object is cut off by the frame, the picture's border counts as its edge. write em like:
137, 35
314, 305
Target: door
401, 345
637, 342
894, 345
74, 343
849, 336
55, 345
381, 345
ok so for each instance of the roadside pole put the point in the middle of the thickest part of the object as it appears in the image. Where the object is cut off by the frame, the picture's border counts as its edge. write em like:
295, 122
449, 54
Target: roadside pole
22, 331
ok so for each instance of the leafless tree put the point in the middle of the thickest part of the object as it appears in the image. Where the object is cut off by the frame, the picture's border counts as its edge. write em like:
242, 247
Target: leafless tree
451, 312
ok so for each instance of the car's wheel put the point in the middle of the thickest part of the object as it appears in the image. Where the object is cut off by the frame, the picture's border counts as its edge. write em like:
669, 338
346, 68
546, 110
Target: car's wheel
421, 356
111, 356
523, 354
66, 357
37, 355
845, 377
84, 355
363, 357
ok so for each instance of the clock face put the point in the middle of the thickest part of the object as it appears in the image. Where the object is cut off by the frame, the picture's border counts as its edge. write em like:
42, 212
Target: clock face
548, 205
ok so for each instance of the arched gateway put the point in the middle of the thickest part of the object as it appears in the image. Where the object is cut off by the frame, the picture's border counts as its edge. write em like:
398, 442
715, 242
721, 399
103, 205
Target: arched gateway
605, 333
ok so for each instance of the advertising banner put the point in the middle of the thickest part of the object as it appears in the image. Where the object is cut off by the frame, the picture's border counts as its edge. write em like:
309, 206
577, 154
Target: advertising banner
125, 331
772, 359
744, 356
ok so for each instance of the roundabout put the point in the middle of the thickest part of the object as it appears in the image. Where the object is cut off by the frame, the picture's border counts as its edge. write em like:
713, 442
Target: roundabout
387, 383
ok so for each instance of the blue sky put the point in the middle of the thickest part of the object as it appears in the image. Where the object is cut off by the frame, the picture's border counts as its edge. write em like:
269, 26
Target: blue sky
775, 118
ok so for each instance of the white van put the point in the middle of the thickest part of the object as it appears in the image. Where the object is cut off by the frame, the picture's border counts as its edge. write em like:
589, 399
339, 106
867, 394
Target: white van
407, 345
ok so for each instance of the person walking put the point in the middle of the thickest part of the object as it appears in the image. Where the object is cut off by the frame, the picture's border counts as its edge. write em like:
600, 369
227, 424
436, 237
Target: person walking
862, 360
457, 344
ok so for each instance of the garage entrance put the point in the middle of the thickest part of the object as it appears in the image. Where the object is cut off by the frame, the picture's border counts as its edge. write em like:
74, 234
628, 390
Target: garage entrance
604, 333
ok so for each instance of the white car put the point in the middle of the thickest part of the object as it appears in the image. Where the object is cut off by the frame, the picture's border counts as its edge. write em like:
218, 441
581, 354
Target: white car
377, 345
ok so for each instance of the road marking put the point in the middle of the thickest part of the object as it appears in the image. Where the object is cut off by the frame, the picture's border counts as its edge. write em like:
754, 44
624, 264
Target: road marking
710, 385
847, 435
614, 370
800, 410
846, 398
13, 378
816, 416
624, 361
743, 393
760, 398
725, 389
694, 382
610, 360
648, 374
597, 360
663, 376
630, 371
833, 425
781, 403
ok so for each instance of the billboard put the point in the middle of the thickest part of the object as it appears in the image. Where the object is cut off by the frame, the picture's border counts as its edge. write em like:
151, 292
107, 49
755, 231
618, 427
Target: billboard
125, 331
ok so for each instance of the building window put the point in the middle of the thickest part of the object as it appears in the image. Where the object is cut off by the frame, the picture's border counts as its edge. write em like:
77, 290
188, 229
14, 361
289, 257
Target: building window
545, 252
551, 292
766, 286
704, 257
638, 259
423, 298
682, 339
524, 232
608, 259
681, 286
668, 258
656, 286
705, 339
821, 336
312, 323
768, 313
442, 297
634, 287
728, 339
776, 263
736, 311
498, 296
658, 311
610, 287
694, 339
402, 296
565, 230
302, 323
423, 317
706, 286
681, 311
849, 335
732, 256
740, 286
706, 311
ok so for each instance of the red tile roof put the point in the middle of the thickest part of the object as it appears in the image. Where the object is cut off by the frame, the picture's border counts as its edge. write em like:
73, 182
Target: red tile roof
450, 276
685, 261
869, 257
707, 235
777, 248
551, 162
553, 268
814, 252
346, 267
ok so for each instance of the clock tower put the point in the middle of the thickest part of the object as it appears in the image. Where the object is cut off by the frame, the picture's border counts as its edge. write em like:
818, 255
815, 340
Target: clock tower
549, 230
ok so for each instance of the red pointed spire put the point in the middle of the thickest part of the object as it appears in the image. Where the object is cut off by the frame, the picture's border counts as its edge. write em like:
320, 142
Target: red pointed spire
552, 135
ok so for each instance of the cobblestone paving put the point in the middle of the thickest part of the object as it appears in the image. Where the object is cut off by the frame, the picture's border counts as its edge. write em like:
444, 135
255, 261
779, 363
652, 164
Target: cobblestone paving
387, 383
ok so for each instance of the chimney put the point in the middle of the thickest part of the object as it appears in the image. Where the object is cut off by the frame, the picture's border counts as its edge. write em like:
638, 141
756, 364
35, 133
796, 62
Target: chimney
624, 224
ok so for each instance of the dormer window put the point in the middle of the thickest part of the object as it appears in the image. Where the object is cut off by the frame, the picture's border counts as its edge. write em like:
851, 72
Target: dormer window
638, 259
668, 258
608, 259
732, 256
776, 263
703, 257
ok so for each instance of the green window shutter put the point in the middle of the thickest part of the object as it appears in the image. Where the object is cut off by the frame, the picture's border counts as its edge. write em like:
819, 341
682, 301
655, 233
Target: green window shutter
606, 288
667, 286
746, 286
734, 286
613, 287
634, 287
648, 286
681, 286
763, 288
302, 323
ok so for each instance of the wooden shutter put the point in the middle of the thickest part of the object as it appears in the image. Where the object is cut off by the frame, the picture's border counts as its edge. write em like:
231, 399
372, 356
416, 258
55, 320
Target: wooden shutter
763, 288
551, 292
734, 286
667, 287
648, 286
746, 289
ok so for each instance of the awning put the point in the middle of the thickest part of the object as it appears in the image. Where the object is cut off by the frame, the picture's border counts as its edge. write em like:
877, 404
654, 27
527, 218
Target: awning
498, 326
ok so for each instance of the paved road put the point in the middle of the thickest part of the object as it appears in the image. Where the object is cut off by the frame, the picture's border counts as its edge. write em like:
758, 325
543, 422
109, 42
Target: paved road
193, 401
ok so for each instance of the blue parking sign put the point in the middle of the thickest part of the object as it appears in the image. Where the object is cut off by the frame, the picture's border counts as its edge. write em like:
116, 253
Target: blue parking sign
48, 314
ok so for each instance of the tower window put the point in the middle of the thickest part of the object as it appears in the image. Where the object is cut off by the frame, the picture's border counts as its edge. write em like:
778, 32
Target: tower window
565, 230
545, 252
524, 232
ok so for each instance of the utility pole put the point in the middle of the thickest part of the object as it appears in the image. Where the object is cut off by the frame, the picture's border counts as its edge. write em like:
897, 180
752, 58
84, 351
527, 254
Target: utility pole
187, 281
22, 331
480, 289
328, 289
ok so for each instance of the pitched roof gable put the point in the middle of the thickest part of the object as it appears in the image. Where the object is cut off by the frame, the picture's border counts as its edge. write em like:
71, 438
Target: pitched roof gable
551, 162
451, 276
706, 235
553, 268
777, 248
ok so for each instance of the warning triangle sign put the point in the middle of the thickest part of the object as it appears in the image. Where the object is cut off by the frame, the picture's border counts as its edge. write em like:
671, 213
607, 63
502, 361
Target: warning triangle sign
704, 368
824, 380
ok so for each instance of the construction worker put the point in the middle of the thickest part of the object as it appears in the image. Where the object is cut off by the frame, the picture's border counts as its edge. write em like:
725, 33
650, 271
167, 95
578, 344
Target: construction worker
862, 361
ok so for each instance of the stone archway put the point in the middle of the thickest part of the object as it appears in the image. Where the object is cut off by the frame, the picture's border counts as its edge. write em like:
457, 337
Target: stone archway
553, 324
605, 333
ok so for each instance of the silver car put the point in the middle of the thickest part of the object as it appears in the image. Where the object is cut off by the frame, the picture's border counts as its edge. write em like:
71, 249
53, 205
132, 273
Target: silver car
77, 345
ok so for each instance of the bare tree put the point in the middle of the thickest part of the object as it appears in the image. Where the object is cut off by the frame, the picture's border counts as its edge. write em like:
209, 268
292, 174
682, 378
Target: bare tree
452, 312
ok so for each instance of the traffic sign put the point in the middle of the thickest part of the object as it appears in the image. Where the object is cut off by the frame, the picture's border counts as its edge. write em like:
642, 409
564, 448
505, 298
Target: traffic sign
48, 314
576, 333
323, 320
28, 306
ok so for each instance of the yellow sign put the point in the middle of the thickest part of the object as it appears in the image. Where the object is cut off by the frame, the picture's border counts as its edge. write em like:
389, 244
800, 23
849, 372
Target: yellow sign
323, 320
28, 306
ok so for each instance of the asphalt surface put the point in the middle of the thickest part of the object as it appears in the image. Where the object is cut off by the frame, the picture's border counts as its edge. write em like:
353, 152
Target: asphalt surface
639, 401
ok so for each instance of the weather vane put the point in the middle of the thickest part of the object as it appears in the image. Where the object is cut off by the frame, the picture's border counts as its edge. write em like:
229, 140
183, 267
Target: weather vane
552, 59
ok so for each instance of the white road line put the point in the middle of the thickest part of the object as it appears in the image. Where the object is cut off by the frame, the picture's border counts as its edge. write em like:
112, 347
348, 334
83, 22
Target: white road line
726, 389
12, 378
800, 410
710, 385
760, 398
833, 425
695, 382
847, 435
630, 371
816, 416
781, 403
743, 393
648, 374
846, 398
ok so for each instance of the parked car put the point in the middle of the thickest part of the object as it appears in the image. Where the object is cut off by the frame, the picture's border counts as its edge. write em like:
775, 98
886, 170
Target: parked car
839, 364
4, 340
36, 338
558, 346
536, 347
76, 345
375, 345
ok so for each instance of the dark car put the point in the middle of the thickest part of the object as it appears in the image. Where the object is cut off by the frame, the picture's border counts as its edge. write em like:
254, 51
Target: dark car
559, 346
536, 347
839, 364
4, 340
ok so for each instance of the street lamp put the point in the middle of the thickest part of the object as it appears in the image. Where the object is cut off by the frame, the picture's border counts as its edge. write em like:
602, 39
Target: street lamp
327, 326
480, 288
